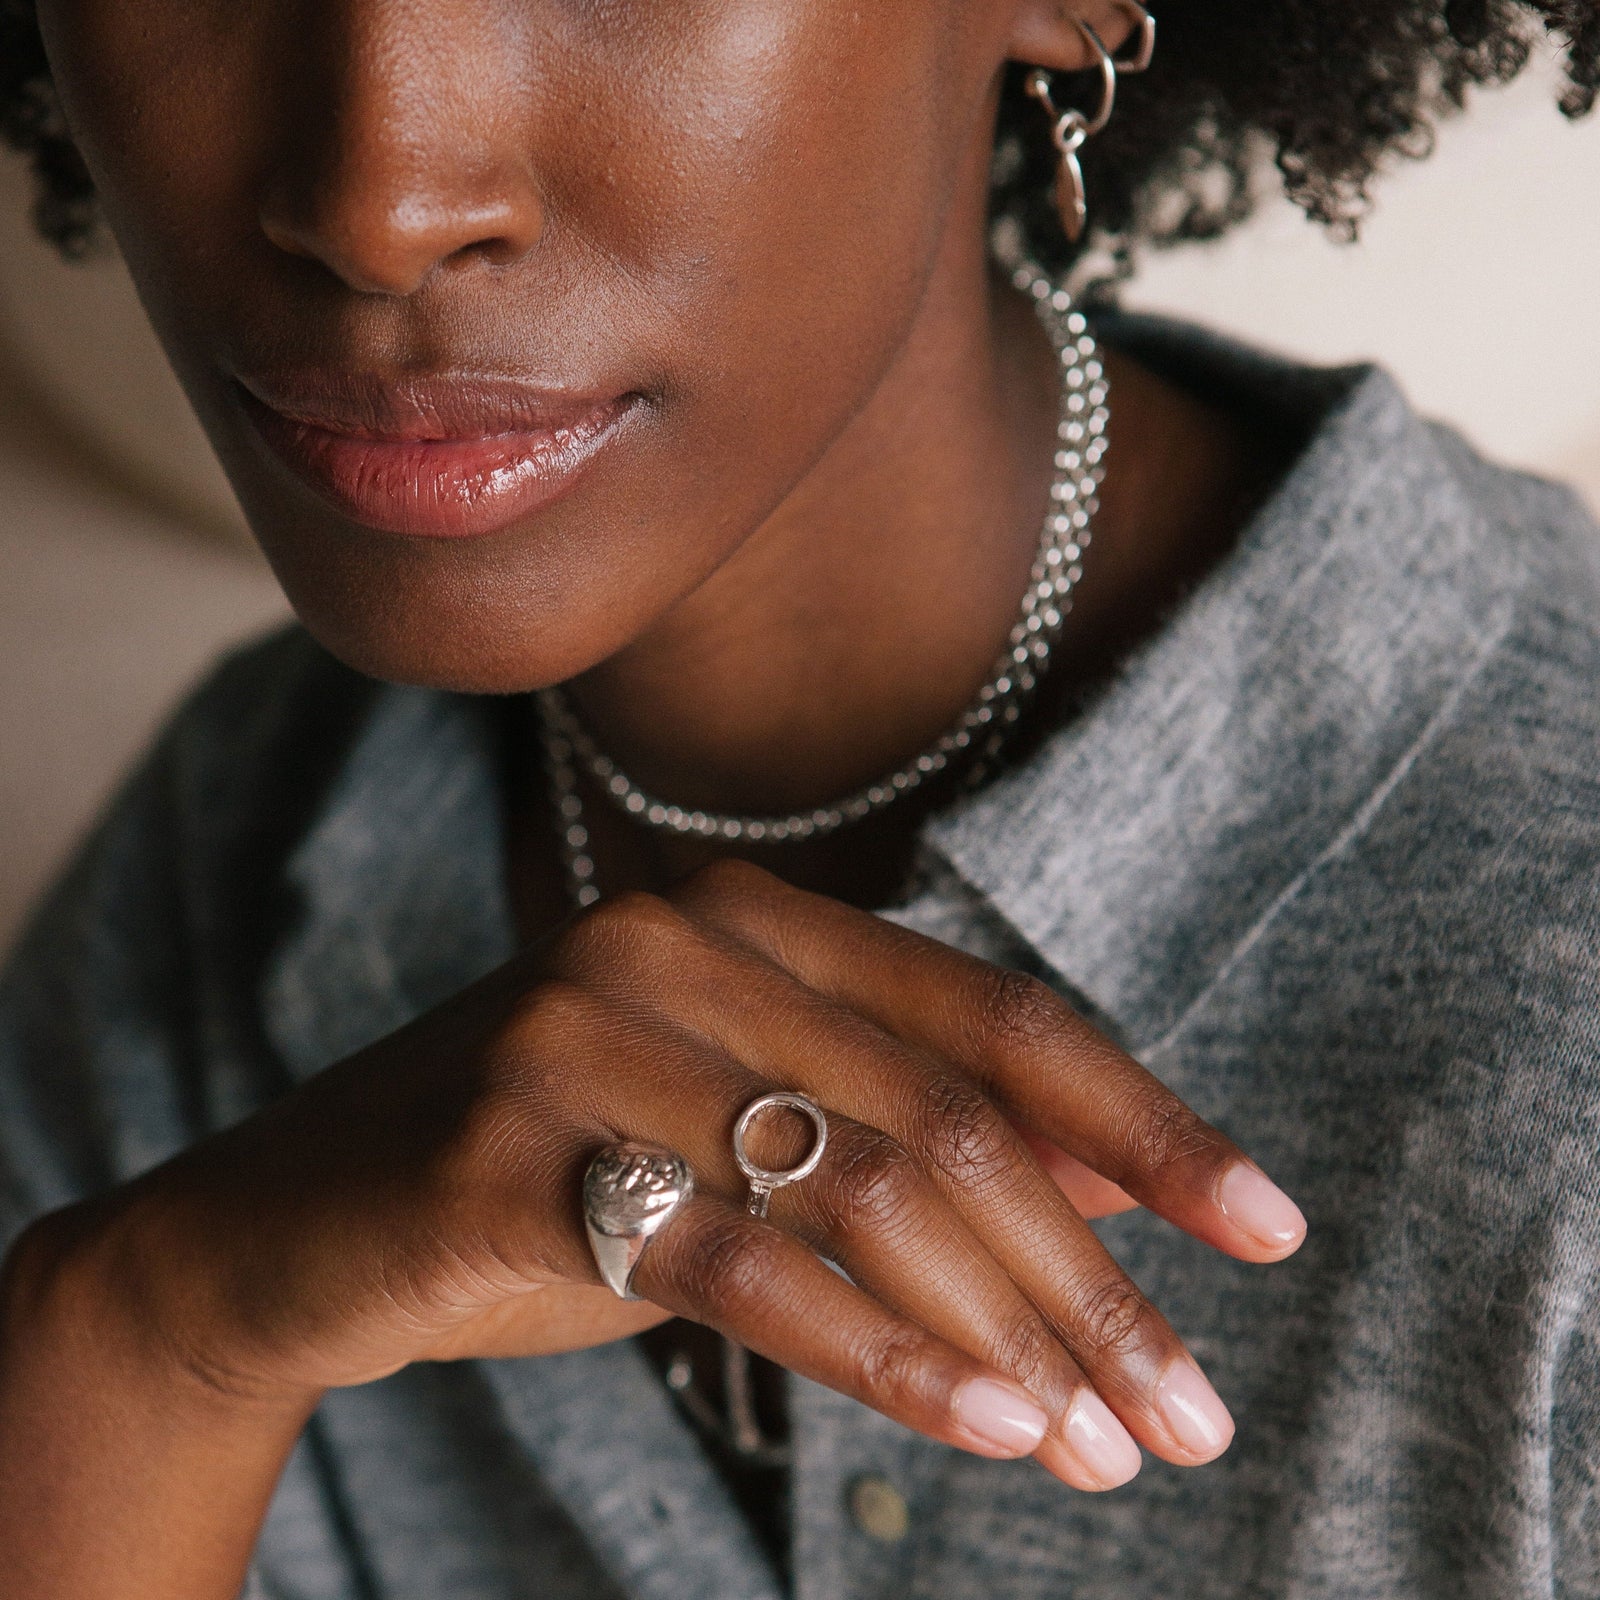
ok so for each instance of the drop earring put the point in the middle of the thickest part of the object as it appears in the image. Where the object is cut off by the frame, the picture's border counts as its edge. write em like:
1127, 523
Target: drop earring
1071, 128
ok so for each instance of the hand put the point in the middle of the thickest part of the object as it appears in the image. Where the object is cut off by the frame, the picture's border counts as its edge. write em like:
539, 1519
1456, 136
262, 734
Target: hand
421, 1199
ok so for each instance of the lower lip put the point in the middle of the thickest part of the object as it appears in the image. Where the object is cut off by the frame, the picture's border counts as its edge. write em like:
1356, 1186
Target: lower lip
439, 488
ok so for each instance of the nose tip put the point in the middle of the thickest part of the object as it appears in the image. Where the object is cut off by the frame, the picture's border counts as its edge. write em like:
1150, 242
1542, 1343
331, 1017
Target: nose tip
389, 239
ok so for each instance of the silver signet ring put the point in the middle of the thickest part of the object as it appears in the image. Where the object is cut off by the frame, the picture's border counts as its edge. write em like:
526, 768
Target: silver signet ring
629, 1194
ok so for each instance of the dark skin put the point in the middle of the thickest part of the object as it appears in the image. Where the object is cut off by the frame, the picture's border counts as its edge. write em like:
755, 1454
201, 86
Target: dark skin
765, 222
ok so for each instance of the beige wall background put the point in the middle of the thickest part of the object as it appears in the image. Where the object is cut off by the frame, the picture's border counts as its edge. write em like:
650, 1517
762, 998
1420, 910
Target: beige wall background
124, 567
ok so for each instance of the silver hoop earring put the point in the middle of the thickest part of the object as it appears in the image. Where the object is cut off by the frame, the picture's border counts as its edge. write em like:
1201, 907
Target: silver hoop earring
1071, 128
1141, 45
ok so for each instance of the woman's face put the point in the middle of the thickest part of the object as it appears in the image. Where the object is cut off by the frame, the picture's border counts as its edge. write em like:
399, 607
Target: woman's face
512, 320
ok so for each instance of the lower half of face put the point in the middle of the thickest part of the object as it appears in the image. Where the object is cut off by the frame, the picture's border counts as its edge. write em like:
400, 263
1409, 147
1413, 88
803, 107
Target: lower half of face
512, 320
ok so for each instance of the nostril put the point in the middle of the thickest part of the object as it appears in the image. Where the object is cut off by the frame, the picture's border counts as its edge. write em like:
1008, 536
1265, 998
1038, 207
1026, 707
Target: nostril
500, 252
380, 241
283, 236
371, 259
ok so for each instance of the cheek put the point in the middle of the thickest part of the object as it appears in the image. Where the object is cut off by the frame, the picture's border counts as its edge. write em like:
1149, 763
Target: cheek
777, 178
791, 161
165, 101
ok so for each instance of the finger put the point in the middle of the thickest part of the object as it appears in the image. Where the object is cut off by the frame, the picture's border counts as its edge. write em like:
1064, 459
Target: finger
1024, 1044
870, 1207
1055, 1285
758, 1284
1130, 1353
1087, 1192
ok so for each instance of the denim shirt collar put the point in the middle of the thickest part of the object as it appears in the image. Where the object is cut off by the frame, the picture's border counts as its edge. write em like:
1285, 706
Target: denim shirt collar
1146, 843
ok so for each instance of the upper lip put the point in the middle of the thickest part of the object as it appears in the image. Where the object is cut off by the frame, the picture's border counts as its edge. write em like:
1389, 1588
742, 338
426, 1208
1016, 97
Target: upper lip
413, 407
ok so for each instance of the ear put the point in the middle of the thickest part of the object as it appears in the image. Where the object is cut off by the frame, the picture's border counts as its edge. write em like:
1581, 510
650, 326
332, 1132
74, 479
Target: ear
1045, 33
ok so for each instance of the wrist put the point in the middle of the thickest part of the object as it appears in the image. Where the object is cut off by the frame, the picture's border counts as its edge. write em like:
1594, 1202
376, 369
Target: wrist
78, 1293
124, 1473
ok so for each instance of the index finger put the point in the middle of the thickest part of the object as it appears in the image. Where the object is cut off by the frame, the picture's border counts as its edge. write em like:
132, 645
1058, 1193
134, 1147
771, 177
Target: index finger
1025, 1046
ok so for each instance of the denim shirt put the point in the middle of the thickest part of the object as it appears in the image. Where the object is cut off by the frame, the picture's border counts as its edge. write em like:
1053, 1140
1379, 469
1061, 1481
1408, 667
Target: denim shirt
1326, 856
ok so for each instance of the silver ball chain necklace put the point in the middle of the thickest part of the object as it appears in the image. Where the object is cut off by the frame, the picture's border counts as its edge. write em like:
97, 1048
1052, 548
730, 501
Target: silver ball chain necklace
980, 733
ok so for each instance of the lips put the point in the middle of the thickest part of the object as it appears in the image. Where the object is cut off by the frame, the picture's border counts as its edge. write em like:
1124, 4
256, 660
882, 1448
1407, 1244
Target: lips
440, 458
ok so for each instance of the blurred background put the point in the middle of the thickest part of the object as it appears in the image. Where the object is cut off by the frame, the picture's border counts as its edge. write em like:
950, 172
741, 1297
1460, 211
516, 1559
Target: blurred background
125, 569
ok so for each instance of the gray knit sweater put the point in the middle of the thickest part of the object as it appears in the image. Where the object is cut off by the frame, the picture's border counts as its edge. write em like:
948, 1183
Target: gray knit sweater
1326, 856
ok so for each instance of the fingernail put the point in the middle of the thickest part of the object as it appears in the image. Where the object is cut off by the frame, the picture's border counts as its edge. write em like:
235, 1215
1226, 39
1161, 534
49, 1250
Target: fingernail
1252, 1201
1194, 1415
1000, 1416
1100, 1442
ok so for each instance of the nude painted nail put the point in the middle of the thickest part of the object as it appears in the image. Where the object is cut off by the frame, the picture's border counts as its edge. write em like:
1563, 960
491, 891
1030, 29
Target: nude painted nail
1250, 1200
1000, 1416
1194, 1415
1104, 1447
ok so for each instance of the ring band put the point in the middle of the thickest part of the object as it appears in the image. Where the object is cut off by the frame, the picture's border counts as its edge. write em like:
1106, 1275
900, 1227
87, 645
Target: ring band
763, 1180
630, 1193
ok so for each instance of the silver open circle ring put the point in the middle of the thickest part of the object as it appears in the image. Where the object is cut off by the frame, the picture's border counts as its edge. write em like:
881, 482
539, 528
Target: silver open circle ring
763, 1180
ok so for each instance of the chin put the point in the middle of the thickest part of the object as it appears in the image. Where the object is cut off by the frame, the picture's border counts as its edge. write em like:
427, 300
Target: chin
448, 636
508, 614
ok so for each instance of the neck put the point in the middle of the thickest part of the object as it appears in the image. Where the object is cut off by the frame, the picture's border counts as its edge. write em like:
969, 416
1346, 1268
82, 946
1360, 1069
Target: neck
860, 620
862, 617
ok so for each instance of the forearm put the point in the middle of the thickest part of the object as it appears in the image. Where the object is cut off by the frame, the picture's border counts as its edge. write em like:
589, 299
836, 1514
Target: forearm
121, 1474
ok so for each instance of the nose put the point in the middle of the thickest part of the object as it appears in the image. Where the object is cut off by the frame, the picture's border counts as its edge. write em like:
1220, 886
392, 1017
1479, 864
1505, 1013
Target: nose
405, 153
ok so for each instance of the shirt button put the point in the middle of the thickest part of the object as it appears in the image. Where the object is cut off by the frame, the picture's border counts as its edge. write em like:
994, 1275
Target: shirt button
879, 1509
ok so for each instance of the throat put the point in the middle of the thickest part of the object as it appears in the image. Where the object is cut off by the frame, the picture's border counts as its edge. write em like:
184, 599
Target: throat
871, 865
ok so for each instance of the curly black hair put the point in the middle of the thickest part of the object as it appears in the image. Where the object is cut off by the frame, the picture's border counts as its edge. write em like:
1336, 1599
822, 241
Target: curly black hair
1326, 90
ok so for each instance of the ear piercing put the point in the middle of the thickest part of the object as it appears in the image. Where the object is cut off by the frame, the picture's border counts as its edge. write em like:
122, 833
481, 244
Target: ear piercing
1071, 128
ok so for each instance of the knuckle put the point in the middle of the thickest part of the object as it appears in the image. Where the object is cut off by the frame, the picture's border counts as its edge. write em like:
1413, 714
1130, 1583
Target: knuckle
1113, 1319
1025, 1347
723, 883
1163, 1133
964, 1134
729, 1263
549, 1016
1016, 1011
626, 929
888, 1359
875, 1183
